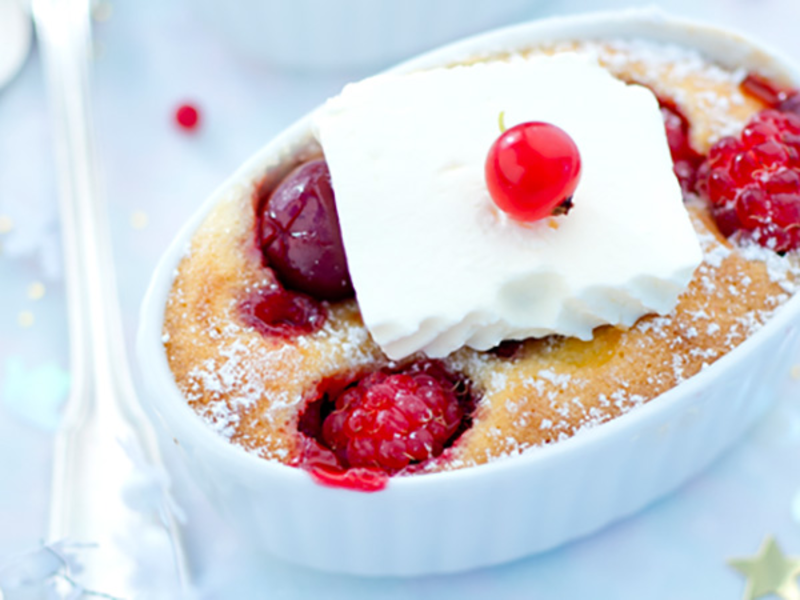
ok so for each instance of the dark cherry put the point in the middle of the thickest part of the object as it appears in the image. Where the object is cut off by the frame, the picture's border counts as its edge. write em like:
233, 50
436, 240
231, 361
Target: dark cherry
300, 236
685, 160
276, 311
507, 348
765, 90
773, 95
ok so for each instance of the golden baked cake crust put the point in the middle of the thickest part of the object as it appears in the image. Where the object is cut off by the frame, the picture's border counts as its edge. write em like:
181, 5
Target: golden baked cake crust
251, 387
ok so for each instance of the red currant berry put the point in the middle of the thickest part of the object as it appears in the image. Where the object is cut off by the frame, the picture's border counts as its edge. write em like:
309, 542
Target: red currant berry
532, 171
187, 116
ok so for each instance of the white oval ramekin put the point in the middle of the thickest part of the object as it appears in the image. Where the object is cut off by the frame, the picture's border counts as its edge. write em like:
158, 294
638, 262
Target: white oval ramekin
497, 512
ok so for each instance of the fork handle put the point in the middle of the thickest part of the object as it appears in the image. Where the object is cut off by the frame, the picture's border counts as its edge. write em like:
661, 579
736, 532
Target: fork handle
105, 443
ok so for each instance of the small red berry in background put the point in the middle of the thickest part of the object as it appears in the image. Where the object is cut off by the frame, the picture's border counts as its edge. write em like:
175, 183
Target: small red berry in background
532, 171
187, 117
753, 181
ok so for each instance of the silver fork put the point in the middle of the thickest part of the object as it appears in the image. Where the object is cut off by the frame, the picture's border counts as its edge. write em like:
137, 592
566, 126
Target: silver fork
104, 428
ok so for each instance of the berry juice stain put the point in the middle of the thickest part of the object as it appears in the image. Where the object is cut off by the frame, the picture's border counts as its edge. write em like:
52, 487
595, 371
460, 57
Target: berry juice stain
275, 311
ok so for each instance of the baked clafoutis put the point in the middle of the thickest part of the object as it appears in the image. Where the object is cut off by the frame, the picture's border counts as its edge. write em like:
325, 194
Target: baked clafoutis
540, 259
263, 329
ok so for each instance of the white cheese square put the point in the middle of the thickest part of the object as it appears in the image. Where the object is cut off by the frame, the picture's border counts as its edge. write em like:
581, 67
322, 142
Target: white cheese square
436, 266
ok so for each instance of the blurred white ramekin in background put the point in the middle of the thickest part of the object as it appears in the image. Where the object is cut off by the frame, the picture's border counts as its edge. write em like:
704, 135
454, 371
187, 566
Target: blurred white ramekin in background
15, 38
352, 34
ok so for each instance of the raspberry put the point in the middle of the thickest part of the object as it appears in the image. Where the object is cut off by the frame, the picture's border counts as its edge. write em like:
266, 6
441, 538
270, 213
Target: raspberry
772, 94
389, 420
753, 181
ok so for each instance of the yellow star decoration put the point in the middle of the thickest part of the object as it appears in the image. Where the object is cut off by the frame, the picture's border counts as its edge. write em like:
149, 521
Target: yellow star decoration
769, 572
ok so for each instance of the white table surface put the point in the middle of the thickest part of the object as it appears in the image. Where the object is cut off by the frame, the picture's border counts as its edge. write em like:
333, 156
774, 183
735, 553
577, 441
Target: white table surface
151, 56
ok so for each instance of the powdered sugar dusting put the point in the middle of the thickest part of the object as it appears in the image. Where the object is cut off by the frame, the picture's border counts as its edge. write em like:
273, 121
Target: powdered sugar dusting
736, 290
783, 270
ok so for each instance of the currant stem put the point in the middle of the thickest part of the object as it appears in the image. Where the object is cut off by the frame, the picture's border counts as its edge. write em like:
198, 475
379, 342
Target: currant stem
563, 207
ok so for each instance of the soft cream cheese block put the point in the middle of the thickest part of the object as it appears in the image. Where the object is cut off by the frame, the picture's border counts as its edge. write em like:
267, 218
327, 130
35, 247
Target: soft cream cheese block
436, 266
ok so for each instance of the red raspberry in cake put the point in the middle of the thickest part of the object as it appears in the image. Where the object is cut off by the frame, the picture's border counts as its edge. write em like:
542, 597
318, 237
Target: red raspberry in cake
753, 181
390, 420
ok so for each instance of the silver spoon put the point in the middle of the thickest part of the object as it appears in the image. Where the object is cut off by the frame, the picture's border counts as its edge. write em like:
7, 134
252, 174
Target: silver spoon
15, 39
103, 427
